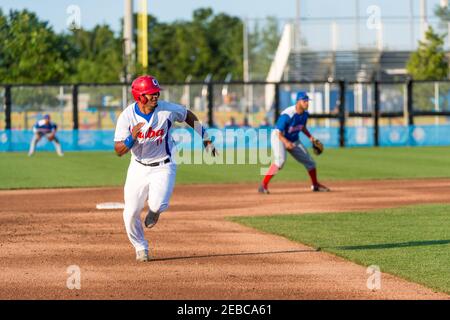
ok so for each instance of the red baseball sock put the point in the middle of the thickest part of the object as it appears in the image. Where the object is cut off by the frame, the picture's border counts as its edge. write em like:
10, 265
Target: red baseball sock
272, 171
313, 175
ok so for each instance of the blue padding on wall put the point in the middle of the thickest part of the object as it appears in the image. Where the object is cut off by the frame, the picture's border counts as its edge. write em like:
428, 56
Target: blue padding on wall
103, 140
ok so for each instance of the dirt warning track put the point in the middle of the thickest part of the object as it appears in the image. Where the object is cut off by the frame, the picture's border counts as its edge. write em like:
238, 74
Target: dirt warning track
197, 254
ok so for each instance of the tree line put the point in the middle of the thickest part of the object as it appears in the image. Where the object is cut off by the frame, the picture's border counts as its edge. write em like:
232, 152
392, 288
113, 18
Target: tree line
209, 43
31, 52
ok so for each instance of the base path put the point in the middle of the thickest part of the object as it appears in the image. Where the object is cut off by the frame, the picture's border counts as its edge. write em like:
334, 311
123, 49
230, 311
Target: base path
197, 254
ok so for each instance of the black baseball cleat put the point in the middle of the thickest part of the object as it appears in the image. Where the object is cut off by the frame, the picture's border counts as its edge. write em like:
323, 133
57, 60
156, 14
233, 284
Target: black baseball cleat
263, 190
151, 219
319, 188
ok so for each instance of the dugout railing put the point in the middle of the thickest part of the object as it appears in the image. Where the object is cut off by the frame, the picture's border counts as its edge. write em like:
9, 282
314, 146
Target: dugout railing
417, 99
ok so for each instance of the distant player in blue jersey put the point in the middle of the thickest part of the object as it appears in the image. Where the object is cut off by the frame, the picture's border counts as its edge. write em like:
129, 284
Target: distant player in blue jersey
286, 137
45, 127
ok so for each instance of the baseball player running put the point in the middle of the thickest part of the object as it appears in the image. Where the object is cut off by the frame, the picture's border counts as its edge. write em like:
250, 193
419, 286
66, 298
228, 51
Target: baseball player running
144, 128
291, 122
45, 127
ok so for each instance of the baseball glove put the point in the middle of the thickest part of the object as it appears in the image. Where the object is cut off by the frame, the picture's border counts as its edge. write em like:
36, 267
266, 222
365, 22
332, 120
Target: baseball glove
317, 147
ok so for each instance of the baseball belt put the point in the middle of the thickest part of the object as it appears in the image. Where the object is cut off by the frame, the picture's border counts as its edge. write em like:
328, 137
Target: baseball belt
154, 164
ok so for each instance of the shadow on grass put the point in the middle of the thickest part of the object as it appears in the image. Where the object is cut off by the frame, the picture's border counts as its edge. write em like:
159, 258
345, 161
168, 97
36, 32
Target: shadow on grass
394, 245
234, 254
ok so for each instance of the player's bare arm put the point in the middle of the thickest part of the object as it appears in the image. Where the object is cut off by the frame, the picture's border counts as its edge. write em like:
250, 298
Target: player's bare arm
308, 134
191, 120
120, 147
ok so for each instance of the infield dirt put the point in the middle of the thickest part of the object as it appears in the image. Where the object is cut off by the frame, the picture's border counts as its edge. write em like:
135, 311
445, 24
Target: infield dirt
197, 254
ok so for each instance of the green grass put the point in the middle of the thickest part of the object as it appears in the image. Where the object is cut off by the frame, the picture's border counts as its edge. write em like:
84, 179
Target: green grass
75, 169
88, 169
410, 242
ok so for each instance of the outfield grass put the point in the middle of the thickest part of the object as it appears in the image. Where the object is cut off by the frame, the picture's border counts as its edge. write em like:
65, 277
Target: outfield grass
411, 242
88, 169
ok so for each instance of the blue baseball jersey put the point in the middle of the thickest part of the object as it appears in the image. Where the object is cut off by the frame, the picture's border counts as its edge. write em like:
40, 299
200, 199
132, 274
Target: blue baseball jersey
290, 123
42, 127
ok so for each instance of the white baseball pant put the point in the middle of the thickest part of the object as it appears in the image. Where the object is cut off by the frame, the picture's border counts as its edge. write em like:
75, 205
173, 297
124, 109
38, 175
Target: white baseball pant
154, 184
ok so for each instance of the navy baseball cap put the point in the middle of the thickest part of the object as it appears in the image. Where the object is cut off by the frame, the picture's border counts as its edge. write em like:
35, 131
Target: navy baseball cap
302, 95
47, 116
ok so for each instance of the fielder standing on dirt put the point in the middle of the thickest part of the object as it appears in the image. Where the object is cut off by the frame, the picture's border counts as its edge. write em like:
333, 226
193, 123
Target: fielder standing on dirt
144, 128
286, 136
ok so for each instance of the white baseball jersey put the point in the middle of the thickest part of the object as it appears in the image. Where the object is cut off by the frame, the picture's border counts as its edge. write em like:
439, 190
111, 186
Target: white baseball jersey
41, 126
154, 142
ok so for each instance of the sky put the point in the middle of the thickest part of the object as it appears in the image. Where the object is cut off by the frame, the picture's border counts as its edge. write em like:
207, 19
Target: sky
110, 11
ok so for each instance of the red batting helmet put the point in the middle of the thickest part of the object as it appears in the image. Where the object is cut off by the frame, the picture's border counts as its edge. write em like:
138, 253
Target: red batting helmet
144, 85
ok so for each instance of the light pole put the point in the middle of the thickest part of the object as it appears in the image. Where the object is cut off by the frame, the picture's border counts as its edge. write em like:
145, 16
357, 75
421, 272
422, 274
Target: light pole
297, 42
357, 23
411, 23
127, 45
423, 19
128, 28
246, 67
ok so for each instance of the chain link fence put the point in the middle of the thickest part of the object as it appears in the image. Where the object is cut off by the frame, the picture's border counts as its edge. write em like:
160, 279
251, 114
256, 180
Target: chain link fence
349, 113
